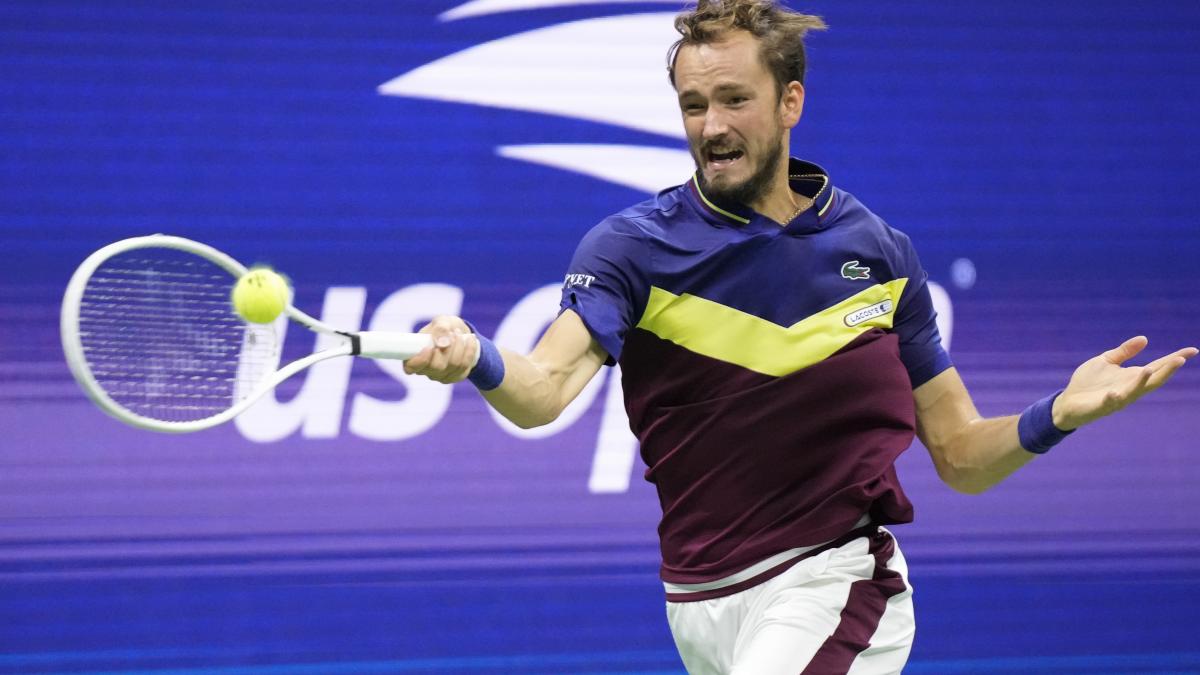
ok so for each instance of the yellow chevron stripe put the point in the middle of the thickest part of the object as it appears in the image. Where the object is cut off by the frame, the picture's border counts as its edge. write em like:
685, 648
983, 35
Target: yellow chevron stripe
733, 336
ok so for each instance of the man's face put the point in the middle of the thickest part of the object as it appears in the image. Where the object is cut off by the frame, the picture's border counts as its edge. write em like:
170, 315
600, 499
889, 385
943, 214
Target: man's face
732, 116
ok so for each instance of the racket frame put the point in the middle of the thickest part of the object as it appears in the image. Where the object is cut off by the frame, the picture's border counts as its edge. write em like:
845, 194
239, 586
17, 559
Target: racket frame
371, 344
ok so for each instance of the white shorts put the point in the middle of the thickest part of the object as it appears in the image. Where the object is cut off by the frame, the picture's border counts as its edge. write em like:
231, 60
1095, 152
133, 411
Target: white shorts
845, 610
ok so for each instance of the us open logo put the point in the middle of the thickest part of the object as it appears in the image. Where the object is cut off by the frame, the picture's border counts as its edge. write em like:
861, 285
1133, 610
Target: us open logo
865, 314
571, 70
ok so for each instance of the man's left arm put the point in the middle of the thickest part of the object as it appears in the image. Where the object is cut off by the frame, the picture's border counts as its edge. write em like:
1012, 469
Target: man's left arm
972, 453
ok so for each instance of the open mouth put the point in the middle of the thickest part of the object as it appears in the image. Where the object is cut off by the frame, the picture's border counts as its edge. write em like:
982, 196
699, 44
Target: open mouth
721, 160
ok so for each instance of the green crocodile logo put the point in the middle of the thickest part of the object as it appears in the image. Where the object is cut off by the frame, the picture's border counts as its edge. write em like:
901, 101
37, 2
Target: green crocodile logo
852, 271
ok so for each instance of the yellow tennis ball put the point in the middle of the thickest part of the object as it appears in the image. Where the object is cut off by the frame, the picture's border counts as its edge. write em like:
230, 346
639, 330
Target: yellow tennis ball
260, 295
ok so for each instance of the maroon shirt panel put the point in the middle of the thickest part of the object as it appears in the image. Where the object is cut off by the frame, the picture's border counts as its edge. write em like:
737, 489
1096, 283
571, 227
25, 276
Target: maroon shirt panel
748, 465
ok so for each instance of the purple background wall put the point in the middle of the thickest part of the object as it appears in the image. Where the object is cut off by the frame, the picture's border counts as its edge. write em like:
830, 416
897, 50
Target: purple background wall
1052, 146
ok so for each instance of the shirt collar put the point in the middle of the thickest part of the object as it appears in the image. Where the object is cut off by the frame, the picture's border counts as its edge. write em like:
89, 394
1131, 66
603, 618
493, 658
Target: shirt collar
805, 178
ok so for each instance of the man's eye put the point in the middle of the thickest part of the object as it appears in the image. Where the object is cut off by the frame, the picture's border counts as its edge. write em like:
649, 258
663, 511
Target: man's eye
738, 100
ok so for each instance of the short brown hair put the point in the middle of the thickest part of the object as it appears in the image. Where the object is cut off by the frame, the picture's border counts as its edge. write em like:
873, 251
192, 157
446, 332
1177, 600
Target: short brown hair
779, 30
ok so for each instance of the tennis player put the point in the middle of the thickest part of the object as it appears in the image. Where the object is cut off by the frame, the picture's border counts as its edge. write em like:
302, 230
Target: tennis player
779, 351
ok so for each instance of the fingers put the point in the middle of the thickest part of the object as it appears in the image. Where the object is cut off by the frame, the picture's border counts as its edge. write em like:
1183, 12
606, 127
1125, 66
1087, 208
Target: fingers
1128, 349
1139, 386
450, 358
1098, 389
1185, 354
1163, 369
1155, 374
420, 360
459, 357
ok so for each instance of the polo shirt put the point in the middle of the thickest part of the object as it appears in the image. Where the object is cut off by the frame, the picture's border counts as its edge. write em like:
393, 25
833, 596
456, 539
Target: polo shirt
767, 370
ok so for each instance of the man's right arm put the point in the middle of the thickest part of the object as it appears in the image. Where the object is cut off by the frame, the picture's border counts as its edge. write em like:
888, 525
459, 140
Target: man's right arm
536, 387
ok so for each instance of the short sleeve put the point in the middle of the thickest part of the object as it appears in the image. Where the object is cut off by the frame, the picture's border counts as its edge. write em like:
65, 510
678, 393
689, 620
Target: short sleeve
916, 321
605, 283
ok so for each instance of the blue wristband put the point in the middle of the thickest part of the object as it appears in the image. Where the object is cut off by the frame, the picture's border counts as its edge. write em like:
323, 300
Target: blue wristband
1036, 427
488, 372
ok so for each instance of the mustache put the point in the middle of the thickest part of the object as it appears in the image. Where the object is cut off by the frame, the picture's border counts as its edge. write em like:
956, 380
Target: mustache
708, 146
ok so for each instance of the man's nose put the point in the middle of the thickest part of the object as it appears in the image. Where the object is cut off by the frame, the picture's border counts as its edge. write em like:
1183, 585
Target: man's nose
714, 124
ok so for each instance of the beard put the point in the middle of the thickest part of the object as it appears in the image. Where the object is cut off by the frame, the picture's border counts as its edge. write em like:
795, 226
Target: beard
749, 190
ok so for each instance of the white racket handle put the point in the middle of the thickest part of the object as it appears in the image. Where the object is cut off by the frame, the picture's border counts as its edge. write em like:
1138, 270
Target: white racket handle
378, 344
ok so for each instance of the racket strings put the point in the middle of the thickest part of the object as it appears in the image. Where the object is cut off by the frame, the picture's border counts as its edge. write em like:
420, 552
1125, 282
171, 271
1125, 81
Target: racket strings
161, 338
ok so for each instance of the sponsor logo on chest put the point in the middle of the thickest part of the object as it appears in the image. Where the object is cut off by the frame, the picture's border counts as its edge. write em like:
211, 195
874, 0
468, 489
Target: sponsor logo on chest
881, 308
853, 272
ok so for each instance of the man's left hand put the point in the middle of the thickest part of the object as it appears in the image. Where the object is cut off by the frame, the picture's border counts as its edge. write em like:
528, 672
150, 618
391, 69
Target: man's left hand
1102, 386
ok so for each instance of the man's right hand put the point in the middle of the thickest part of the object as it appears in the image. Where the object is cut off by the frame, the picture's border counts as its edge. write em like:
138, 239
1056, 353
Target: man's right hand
535, 387
452, 355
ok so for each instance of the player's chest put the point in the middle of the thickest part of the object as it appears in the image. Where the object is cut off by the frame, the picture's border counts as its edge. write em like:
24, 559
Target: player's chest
776, 277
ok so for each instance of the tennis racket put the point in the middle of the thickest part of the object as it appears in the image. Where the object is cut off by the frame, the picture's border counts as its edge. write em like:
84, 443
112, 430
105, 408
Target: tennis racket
151, 335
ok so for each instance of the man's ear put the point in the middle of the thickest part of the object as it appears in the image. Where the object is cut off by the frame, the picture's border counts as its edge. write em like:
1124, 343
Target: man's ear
791, 104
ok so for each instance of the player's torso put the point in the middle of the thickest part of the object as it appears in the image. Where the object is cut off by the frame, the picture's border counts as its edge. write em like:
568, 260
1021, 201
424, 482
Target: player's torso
755, 300
764, 381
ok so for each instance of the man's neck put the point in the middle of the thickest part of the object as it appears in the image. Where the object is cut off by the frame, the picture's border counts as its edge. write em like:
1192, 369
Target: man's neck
782, 204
